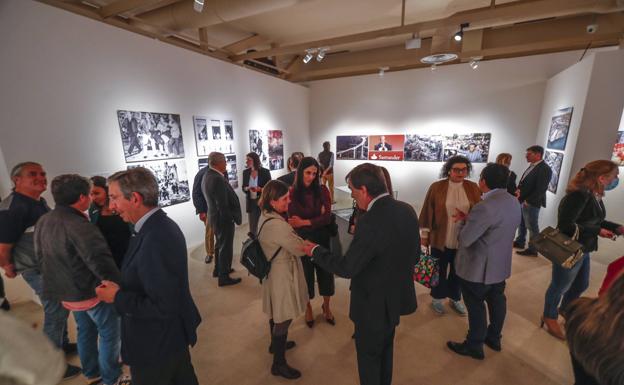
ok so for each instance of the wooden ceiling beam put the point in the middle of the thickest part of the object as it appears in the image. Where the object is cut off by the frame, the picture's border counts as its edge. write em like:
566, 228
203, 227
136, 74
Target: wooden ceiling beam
245, 44
500, 15
122, 6
203, 39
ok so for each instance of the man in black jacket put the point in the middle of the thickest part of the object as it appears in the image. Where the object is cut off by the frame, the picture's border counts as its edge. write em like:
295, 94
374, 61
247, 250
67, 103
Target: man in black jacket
532, 188
201, 208
158, 316
380, 262
223, 212
75, 258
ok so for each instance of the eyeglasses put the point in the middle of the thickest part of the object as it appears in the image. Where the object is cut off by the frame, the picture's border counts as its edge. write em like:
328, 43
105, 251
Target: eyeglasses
459, 170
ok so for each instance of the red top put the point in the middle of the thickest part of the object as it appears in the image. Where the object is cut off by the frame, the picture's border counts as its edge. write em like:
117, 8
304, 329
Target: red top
613, 271
311, 209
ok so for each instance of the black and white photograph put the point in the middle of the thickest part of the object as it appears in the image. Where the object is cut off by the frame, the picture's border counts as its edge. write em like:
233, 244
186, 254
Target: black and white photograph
150, 135
172, 179
216, 129
228, 127
475, 147
232, 170
559, 129
352, 147
201, 135
276, 149
201, 163
554, 160
424, 148
258, 143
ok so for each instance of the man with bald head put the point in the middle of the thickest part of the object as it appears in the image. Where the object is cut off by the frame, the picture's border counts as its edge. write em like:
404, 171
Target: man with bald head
223, 212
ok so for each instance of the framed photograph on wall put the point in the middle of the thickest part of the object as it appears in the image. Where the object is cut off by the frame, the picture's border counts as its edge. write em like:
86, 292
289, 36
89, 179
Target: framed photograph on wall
258, 143
173, 185
554, 160
231, 168
276, 149
150, 135
618, 149
202, 143
386, 147
424, 148
475, 147
352, 147
559, 129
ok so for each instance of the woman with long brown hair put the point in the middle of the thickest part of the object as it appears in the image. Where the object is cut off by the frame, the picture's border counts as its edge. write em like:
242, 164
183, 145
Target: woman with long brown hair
595, 331
580, 210
254, 178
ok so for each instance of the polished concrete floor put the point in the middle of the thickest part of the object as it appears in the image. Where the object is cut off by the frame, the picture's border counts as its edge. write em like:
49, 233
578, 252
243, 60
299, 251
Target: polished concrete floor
233, 337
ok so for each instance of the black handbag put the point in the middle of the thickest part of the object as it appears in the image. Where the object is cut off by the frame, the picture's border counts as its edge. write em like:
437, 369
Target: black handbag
253, 257
558, 247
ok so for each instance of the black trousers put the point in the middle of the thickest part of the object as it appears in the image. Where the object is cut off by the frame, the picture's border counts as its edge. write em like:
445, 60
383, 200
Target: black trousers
448, 287
178, 370
374, 355
476, 296
2, 293
224, 234
324, 279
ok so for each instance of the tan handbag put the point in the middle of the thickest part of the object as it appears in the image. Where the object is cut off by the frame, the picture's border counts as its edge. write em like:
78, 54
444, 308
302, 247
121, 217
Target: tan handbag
558, 247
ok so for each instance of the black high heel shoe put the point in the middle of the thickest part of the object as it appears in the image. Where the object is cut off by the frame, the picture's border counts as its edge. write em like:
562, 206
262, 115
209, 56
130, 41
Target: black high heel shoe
332, 320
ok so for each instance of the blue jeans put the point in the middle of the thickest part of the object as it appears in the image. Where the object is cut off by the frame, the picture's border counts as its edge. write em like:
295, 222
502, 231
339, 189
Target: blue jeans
530, 221
101, 321
55, 315
566, 283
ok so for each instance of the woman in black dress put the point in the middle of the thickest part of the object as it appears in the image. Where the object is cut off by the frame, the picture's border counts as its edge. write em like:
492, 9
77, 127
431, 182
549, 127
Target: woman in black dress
116, 232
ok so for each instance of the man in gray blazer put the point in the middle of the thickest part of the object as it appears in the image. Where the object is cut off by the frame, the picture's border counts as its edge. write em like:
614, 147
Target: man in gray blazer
483, 261
223, 212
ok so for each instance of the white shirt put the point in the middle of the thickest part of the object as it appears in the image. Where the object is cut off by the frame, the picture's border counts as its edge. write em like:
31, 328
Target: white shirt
529, 169
456, 199
371, 203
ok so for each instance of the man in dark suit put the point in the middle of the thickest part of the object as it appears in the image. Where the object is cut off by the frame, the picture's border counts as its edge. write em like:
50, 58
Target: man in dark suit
201, 208
483, 261
158, 316
380, 262
532, 188
223, 212
382, 145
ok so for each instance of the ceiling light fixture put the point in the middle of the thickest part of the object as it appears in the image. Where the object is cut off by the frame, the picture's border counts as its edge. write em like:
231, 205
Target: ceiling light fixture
414, 43
309, 55
439, 58
434, 67
321, 53
198, 5
383, 70
474, 64
460, 35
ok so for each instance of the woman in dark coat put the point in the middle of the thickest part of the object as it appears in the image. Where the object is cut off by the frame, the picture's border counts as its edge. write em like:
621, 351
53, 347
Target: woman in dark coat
255, 177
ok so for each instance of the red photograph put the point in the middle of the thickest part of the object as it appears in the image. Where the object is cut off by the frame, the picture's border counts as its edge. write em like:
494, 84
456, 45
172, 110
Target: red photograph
386, 147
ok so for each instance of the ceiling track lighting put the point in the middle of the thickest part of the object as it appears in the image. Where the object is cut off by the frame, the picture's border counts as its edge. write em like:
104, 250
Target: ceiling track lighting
383, 70
198, 5
319, 52
460, 34
474, 62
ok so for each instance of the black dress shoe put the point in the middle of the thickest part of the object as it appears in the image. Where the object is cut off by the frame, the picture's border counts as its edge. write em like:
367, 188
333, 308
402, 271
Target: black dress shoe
228, 281
208, 259
518, 245
494, 345
464, 350
527, 253
6, 306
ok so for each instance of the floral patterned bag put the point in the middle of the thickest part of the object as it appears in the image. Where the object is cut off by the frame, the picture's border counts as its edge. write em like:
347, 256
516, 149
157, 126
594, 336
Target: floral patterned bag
426, 271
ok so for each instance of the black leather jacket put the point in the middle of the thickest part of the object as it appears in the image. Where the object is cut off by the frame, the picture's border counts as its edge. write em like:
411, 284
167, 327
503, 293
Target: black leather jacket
580, 208
74, 255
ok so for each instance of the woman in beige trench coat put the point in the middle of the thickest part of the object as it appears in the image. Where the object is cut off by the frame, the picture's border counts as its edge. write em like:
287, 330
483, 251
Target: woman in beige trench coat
284, 291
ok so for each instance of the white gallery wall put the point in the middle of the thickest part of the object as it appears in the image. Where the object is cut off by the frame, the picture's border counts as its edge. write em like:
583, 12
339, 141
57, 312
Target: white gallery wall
64, 77
501, 97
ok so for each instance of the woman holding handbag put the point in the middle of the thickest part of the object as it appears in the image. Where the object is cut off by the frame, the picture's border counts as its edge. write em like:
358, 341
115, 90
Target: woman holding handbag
582, 211
284, 291
309, 213
439, 229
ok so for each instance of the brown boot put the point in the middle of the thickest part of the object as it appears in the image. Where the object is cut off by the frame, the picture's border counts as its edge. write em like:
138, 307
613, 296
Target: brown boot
553, 328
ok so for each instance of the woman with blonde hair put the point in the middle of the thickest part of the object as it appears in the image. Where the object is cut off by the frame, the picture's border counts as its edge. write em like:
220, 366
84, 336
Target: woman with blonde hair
284, 291
505, 159
595, 332
580, 210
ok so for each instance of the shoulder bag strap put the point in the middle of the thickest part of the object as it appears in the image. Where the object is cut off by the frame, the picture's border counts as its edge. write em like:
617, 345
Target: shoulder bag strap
278, 249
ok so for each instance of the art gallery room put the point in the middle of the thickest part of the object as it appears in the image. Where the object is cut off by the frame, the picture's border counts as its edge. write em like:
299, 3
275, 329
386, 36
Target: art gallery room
94, 87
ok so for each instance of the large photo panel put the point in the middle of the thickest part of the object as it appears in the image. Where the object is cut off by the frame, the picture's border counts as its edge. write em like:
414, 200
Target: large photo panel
352, 147
424, 148
150, 135
386, 147
173, 185
259, 143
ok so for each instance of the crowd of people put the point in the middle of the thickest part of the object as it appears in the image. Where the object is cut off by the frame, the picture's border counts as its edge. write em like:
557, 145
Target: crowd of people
109, 254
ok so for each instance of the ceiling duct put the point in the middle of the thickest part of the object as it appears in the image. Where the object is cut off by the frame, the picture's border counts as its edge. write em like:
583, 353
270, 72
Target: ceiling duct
181, 15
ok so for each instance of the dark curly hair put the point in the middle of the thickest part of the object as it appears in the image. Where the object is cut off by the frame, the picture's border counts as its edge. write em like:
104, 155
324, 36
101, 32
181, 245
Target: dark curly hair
453, 160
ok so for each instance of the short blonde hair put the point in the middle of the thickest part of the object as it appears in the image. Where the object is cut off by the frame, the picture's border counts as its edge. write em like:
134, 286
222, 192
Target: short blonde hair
503, 158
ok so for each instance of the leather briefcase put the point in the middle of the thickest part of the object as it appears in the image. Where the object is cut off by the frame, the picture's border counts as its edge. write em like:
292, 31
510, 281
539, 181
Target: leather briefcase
558, 247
